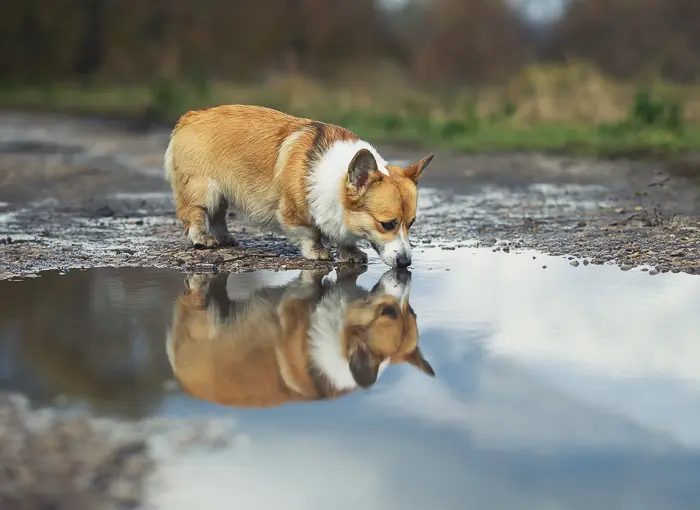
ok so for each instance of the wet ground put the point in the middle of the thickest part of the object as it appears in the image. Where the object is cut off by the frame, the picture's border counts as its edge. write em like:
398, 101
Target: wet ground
563, 387
90, 193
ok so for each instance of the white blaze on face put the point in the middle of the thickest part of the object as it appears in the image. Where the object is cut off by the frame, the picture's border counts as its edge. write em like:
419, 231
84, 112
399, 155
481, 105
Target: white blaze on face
391, 251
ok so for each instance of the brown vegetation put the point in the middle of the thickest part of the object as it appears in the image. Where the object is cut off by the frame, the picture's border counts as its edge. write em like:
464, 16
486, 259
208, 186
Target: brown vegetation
628, 38
437, 42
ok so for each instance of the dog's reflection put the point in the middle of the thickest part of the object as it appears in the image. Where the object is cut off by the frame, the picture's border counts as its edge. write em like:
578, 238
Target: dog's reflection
312, 339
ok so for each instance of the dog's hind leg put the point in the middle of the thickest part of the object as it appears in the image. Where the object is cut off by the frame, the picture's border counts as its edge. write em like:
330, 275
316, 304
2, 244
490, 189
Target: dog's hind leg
217, 223
195, 219
202, 208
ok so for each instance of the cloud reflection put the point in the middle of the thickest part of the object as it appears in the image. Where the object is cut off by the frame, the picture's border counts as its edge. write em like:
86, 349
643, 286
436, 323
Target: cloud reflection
623, 345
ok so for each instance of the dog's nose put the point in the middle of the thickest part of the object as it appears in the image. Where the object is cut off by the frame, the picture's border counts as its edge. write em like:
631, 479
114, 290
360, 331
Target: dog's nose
402, 261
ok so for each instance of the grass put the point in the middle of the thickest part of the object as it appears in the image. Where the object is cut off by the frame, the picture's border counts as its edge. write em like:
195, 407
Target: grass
558, 109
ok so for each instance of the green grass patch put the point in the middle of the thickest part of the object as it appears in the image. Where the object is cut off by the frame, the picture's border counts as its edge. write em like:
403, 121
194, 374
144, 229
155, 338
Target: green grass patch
653, 128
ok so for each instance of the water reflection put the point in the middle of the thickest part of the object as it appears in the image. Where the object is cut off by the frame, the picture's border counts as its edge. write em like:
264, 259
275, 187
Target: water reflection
93, 338
558, 388
312, 339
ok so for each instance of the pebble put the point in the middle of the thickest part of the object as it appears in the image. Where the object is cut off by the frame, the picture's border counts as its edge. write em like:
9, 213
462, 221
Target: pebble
574, 263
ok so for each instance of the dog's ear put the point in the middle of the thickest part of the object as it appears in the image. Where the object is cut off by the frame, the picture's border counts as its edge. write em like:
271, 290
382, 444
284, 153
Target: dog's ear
415, 169
417, 360
363, 170
363, 364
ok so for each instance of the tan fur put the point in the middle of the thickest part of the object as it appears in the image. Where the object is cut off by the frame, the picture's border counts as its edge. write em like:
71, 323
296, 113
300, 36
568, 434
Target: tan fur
258, 356
396, 200
257, 160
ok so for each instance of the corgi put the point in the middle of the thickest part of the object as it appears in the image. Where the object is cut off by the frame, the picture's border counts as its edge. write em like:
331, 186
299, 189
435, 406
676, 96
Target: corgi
305, 341
310, 181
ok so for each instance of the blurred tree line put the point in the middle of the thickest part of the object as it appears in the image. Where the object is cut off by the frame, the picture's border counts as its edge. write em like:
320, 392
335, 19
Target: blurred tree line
436, 42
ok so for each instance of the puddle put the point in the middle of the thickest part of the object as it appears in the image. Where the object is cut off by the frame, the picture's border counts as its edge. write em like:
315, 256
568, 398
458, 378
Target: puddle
561, 387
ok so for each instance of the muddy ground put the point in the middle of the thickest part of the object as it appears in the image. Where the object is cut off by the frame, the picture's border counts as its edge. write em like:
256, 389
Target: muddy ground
77, 193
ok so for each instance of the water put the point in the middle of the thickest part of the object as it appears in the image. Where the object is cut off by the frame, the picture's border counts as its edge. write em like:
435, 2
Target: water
554, 388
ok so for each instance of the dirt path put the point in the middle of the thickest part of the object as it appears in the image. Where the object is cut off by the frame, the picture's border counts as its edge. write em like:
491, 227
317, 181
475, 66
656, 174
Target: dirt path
80, 193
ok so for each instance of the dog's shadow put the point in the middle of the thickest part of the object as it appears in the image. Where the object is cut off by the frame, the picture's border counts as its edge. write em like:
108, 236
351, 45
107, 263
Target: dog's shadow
315, 338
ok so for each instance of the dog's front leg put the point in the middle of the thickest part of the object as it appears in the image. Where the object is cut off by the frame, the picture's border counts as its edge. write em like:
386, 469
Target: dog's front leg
351, 254
308, 240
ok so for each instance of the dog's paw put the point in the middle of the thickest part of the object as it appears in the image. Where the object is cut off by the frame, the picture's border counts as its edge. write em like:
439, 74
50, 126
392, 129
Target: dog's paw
200, 240
350, 272
316, 252
352, 256
226, 240
324, 254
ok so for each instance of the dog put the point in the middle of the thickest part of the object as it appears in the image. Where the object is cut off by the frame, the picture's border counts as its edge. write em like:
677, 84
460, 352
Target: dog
305, 341
307, 180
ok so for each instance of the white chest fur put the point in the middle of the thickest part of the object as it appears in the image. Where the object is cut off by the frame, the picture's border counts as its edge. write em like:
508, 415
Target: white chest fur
326, 182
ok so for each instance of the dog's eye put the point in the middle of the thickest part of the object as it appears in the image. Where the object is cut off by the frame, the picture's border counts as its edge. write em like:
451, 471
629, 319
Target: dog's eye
410, 224
389, 225
390, 311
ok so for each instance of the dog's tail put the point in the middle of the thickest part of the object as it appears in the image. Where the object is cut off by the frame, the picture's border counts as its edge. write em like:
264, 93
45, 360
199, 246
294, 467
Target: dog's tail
169, 161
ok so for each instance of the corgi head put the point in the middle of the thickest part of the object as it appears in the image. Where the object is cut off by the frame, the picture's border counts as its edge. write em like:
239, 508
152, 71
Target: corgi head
380, 205
381, 330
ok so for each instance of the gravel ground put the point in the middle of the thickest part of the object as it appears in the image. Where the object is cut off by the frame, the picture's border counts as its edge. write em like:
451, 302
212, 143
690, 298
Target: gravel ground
86, 192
